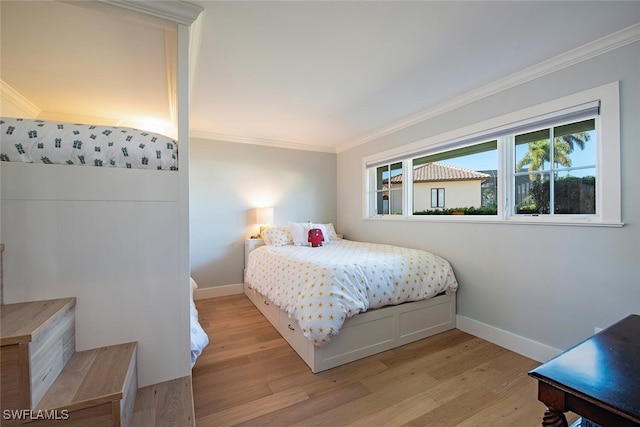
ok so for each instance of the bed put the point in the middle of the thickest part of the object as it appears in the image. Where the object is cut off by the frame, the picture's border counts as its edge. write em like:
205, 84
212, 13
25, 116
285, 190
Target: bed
95, 212
96, 222
346, 300
48, 147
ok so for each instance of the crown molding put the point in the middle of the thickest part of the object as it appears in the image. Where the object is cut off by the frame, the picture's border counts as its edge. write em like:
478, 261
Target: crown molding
194, 133
180, 12
11, 95
590, 50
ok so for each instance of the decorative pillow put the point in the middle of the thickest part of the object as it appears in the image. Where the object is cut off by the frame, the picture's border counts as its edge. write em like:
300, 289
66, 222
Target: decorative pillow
299, 233
277, 236
325, 232
332, 235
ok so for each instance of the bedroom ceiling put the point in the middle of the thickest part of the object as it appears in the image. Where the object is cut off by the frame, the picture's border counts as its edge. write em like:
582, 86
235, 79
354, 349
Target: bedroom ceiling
317, 75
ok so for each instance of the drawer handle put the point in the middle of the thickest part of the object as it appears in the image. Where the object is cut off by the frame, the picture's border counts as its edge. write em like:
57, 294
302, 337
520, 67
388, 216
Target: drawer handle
291, 328
265, 302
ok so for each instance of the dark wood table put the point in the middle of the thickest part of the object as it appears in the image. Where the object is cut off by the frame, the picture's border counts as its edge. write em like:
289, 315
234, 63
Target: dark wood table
598, 379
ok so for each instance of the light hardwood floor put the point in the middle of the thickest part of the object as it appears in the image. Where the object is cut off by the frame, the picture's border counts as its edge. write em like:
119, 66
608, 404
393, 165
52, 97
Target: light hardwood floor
248, 375
168, 404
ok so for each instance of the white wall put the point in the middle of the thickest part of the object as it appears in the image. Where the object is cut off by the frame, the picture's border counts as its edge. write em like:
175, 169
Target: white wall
112, 239
549, 285
228, 180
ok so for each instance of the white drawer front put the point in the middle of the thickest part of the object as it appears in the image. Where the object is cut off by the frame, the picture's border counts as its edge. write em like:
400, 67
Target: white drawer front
269, 309
291, 332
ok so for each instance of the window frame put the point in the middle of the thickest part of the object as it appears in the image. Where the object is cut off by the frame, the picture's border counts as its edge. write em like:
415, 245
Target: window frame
373, 190
608, 186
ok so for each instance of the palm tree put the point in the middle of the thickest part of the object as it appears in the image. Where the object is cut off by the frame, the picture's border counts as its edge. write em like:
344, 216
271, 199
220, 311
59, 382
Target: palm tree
579, 139
539, 152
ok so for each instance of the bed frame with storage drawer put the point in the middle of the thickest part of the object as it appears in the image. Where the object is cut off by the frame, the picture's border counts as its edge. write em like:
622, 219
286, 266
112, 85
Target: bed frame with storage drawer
362, 335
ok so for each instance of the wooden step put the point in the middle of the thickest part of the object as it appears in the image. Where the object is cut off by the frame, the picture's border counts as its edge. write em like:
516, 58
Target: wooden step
97, 388
166, 404
37, 340
22, 322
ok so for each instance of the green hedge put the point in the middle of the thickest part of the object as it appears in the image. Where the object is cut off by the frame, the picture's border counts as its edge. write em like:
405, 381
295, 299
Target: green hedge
461, 211
573, 195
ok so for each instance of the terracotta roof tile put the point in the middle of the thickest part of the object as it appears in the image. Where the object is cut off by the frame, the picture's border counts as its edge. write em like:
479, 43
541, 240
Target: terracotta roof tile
440, 172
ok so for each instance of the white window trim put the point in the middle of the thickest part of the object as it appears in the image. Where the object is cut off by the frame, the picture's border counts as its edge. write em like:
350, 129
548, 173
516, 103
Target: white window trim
608, 185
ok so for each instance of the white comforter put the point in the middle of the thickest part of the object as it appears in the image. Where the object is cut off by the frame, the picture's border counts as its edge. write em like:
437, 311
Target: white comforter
321, 287
199, 338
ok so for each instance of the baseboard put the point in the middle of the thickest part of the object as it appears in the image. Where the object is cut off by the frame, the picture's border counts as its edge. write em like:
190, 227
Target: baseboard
217, 291
521, 345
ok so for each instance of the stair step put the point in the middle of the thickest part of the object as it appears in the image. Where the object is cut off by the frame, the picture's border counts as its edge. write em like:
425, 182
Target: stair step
97, 386
37, 339
22, 321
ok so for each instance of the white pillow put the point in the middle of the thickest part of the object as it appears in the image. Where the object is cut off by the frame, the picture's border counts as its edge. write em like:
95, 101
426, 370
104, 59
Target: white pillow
277, 236
300, 233
332, 232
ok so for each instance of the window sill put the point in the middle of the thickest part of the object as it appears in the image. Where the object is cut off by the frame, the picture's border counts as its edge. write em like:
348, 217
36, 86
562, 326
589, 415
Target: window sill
481, 219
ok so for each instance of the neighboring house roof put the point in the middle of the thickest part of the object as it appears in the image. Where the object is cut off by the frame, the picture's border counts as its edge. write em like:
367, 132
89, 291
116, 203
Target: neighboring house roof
435, 171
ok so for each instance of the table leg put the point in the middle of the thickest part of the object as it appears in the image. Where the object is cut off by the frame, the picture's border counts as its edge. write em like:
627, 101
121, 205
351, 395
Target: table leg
554, 418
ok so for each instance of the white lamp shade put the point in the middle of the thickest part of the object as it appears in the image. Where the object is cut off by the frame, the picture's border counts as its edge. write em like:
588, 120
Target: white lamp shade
264, 215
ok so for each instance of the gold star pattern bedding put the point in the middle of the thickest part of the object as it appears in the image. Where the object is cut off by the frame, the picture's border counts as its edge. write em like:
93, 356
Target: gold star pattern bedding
321, 287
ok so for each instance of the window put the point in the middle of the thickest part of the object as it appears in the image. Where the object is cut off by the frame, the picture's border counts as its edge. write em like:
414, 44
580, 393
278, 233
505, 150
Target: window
559, 177
437, 198
388, 189
467, 175
555, 162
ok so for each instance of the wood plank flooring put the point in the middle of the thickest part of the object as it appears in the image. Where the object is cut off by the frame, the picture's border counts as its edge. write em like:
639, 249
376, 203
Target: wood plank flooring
249, 376
167, 404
